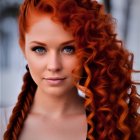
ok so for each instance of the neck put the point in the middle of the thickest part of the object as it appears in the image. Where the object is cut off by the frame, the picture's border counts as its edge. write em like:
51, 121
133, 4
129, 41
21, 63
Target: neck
55, 105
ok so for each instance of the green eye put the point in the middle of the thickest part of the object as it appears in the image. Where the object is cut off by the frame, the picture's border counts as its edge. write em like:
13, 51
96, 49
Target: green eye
69, 49
39, 50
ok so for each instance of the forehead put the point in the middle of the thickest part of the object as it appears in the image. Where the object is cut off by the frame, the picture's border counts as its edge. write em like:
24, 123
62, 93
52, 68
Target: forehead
42, 27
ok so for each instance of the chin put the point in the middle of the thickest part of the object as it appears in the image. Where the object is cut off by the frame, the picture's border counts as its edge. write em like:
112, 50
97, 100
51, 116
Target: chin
59, 91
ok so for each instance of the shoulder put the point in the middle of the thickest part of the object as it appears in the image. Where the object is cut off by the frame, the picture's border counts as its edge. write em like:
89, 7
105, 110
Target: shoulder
5, 113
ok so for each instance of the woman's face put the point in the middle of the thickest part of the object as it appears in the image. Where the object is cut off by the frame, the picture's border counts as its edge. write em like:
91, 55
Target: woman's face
50, 54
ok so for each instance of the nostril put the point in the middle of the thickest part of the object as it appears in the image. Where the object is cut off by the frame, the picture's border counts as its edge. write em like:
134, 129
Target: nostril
54, 69
54, 62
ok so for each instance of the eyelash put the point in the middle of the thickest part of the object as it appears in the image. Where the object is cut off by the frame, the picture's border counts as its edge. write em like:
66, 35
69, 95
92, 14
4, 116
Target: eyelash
35, 49
69, 49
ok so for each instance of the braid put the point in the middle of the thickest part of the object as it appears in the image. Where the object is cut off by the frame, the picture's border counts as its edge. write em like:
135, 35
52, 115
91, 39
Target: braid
21, 109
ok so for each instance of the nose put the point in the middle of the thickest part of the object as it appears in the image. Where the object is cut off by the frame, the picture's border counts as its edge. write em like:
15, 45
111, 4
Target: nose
54, 63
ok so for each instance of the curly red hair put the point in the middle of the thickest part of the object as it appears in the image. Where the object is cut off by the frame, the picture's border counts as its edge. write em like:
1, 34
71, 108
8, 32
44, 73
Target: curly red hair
110, 94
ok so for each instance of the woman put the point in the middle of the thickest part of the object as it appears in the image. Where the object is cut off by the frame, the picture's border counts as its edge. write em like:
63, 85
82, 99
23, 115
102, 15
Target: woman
71, 45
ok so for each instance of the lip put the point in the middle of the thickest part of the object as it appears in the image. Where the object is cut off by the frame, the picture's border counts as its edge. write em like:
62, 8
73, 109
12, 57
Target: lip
54, 81
55, 78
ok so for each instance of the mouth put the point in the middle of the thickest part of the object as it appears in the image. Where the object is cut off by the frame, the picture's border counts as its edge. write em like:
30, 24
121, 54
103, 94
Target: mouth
54, 81
55, 78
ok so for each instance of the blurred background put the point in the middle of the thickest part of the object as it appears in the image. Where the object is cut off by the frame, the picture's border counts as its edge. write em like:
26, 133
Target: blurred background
12, 62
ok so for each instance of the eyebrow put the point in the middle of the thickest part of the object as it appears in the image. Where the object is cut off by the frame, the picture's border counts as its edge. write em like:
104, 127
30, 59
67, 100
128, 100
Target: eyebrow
44, 44
67, 42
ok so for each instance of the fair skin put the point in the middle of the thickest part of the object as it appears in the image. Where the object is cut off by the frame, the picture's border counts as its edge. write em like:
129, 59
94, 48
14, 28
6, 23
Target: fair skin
57, 112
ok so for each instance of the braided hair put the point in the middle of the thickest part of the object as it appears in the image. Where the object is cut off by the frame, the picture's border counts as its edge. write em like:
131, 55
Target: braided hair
21, 109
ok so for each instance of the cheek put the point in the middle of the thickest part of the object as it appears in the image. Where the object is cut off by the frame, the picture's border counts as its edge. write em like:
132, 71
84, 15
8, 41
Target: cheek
36, 70
34, 64
71, 64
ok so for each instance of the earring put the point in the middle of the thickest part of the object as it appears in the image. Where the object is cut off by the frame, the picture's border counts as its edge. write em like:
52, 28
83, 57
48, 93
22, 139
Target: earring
27, 68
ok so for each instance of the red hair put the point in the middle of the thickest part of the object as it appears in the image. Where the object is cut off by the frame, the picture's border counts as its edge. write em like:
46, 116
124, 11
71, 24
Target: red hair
111, 97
